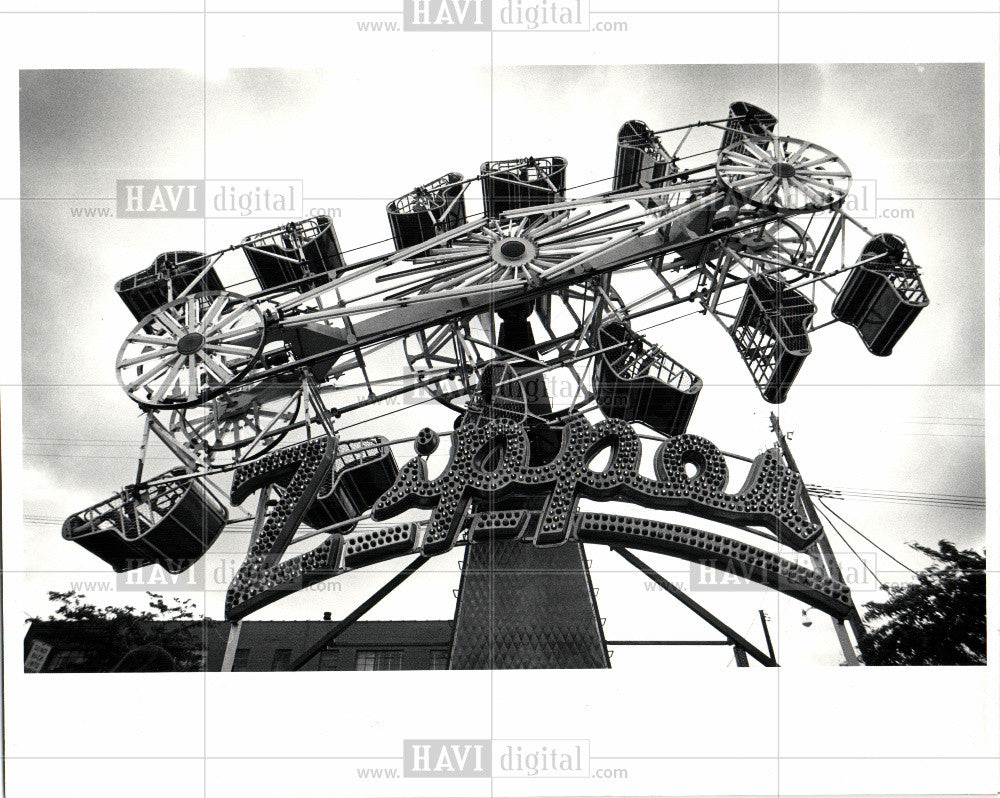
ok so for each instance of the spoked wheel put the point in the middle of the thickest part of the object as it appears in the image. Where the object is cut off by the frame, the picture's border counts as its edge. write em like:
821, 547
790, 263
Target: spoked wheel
191, 349
544, 343
519, 252
247, 421
780, 173
781, 248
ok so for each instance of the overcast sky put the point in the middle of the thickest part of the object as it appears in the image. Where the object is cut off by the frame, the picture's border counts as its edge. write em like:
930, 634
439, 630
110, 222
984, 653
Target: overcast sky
911, 422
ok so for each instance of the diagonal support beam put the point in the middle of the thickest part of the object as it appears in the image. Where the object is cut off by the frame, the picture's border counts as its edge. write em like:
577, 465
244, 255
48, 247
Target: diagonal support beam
736, 638
361, 609
823, 557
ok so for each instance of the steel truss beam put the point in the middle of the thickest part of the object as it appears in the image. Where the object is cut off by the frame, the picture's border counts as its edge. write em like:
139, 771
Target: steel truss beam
731, 634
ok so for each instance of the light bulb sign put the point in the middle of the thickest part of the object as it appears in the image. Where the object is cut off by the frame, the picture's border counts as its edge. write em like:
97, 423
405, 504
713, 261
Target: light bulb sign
489, 462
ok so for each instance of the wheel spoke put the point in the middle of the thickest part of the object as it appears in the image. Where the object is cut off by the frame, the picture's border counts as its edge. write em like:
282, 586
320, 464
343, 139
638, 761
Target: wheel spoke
816, 161
767, 190
759, 152
749, 184
585, 219
561, 222
595, 240
134, 361
236, 315
149, 375
443, 257
190, 312
739, 169
138, 338
192, 366
214, 309
745, 159
230, 349
201, 424
168, 322
796, 156
218, 338
832, 187
170, 379
217, 369
465, 277
805, 189
821, 173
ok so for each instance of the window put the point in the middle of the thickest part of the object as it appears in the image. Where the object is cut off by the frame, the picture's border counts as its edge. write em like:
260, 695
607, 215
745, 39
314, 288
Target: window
242, 659
282, 658
439, 660
328, 659
379, 661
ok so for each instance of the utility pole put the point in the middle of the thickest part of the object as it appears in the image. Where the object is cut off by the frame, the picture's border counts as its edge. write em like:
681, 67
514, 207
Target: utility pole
822, 556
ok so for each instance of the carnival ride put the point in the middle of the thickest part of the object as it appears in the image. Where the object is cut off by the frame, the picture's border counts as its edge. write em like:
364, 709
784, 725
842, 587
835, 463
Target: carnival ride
485, 311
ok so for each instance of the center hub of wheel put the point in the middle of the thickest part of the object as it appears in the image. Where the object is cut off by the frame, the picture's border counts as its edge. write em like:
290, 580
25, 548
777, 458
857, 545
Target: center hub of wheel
190, 343
782, 169
757, 241
513, 251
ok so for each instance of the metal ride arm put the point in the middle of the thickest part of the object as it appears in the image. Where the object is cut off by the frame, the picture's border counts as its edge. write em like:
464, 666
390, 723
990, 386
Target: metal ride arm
411, 315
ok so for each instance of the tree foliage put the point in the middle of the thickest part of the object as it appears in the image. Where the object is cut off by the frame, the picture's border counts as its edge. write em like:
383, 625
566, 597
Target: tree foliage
940, 619
130, 629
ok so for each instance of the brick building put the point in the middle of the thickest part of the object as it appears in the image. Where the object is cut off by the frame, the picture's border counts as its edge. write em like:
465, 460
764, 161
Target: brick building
86, 646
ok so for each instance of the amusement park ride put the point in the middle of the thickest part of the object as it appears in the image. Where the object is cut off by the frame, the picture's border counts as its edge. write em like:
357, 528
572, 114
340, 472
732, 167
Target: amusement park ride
486, 313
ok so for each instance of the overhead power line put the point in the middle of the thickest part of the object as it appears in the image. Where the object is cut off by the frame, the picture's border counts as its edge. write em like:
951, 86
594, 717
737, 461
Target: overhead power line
863, 535
959, 501
863, 561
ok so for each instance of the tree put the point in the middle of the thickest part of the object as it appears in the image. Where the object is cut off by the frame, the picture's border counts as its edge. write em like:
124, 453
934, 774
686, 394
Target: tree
139, 639
940, 619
